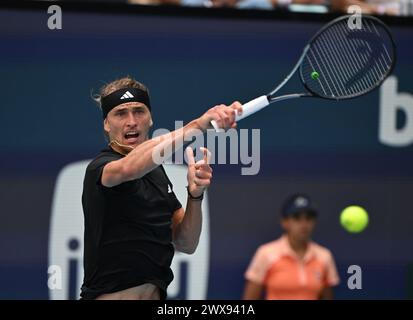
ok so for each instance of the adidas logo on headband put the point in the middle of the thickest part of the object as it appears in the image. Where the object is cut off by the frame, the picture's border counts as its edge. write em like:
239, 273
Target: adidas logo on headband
127, 95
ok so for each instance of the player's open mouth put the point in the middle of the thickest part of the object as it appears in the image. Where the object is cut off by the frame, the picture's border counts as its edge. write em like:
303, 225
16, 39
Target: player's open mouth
131, 136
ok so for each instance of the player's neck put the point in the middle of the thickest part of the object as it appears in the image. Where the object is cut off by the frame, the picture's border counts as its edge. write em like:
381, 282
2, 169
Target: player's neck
299, 246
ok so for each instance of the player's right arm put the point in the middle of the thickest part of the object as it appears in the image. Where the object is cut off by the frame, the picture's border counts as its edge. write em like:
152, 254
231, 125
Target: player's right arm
141, 161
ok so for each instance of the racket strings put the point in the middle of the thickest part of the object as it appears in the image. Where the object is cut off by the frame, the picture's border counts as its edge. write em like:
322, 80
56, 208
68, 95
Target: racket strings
355, 65
373, 75
348, 62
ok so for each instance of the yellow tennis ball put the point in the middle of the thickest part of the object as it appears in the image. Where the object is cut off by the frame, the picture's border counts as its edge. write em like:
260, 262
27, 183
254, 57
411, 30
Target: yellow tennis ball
354, 219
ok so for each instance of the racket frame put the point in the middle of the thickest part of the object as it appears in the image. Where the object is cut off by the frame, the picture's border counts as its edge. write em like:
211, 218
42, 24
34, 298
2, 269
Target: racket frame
263, 101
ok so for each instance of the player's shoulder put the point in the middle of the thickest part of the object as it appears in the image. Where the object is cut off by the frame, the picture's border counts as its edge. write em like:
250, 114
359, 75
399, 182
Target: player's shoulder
322, 252
105, 156
272, 246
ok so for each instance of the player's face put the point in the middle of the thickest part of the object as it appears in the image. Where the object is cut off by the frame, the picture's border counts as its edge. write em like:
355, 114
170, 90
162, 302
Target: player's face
300, 226
129, 123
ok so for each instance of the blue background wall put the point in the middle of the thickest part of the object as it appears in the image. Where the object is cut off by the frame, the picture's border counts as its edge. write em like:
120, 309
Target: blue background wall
329, 150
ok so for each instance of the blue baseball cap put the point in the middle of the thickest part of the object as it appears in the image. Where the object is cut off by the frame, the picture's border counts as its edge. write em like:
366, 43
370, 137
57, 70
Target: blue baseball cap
297, 203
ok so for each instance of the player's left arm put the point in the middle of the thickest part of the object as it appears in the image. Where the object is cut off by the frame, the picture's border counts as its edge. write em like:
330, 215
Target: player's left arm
331, 278
327, 293
187, 225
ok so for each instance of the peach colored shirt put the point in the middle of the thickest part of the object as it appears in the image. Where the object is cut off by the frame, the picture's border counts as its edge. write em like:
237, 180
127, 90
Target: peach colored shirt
285, 276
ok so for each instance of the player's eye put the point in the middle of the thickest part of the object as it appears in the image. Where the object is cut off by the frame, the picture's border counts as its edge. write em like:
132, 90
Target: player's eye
138, 111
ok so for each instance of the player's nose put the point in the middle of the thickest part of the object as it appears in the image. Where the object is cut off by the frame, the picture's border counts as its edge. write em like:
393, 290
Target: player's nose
131, 120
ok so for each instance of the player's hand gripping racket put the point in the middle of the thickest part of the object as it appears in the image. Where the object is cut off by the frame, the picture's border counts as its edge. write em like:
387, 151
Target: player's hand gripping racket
338, 63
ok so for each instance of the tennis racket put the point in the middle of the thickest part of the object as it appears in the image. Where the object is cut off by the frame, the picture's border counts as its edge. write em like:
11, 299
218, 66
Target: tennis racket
338, 63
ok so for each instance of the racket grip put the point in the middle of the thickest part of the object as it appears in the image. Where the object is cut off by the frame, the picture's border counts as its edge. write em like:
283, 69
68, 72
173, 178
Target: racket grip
215, 125
252, 106
247, 109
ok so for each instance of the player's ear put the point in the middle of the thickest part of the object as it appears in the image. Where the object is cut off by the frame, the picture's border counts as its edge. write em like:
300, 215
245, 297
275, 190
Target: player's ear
150, 123
106, 125
284, 223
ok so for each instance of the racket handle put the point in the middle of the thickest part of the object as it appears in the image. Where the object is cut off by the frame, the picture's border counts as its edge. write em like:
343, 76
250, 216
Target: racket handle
215, 125
247, 109
253, 106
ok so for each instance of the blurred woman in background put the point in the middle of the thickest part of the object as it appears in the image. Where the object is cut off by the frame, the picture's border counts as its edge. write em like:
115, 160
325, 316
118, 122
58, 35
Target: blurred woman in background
292, 267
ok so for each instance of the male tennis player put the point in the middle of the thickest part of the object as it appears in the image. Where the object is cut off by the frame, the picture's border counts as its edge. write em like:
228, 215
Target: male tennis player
293, 267
133, 220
